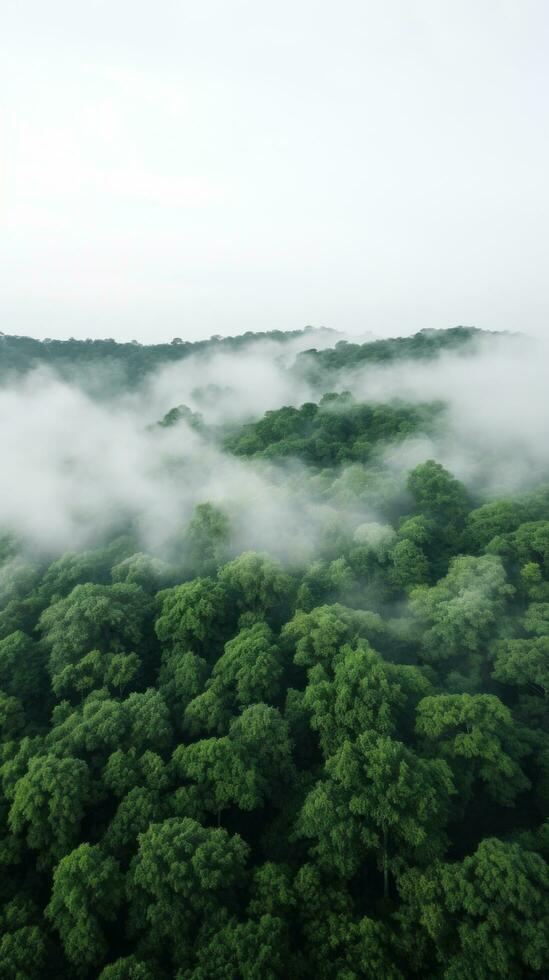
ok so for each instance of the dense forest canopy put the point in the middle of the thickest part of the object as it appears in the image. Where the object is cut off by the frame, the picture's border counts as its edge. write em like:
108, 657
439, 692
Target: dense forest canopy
124, 364
128, 365
427, 344
274, 696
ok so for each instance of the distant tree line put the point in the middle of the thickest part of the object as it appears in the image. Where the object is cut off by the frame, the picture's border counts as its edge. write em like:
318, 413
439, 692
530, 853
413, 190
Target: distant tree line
323, 366
129, 364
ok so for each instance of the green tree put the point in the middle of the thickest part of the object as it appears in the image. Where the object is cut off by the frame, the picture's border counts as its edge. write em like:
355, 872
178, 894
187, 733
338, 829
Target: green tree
244, 768
536, 619
462, 611
92, 730
193, 616
496, 518
318, 636
85, 567
409, 565
22, 669
109, 618
438, 494
377, 796
130, 968
485, 917
49, 803
366, 693
524, 663
149, 718
125, 770
12, 716
255, 950
136, 811
256, 583
181, 679
478, 737
531, 542
87, 891
182, 875
248, 672
25, 954
206, 540
532, 582
142, 570
337, 941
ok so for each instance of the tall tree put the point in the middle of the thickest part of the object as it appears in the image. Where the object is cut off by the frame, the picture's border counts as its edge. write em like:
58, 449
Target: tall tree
487, 916
88, 888
182, 874
49, 803
377, 797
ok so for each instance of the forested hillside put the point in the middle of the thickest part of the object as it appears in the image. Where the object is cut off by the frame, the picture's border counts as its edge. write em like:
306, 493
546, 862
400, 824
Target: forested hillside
128, 365
124, 365
303, 734
318, 365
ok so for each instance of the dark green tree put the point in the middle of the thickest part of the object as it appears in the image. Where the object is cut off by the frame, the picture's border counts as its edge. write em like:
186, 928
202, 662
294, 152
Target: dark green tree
49, 803
87, 891
484, 917
182, 875
377, 797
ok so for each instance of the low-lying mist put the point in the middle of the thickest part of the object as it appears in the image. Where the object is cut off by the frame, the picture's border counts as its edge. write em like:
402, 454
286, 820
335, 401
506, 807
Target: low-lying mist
74, 466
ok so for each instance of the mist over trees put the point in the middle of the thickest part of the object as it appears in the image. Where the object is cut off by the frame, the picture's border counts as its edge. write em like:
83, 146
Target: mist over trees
274, 677
123, 365
132, 362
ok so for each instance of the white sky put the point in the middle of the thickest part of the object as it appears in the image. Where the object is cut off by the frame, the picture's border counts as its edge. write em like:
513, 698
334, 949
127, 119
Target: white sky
182, 169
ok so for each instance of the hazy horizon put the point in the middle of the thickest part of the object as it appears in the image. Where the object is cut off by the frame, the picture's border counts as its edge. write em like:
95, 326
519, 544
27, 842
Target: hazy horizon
323, 336
188, 171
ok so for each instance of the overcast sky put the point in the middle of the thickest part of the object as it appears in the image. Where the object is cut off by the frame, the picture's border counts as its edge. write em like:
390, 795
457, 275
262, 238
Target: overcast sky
187, 168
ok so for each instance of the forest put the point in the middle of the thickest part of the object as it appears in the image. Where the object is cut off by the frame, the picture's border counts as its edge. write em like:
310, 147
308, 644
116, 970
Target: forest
274, 660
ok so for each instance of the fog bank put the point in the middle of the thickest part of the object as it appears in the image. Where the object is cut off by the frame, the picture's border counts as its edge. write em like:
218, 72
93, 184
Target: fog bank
74, 467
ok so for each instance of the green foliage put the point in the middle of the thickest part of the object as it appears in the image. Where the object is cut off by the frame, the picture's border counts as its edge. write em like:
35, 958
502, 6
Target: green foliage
104, 367
142, 570
463, 610
486, 917
129, 968
25, 954
22, 672
181, 875
181, 679
437, 494
109, 618
181, 413
335, 431
410, 565
87, 891
81, 568
378, 796
319, 635
192, 615
231, 766
365, 694
206, 540
255, 950
244, 768
477, 736
95, 671
316, 366
249, 671
524, 663
49, 803
255, 583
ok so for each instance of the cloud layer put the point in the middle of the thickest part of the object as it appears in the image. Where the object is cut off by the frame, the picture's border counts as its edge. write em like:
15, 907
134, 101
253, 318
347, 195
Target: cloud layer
73, 467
